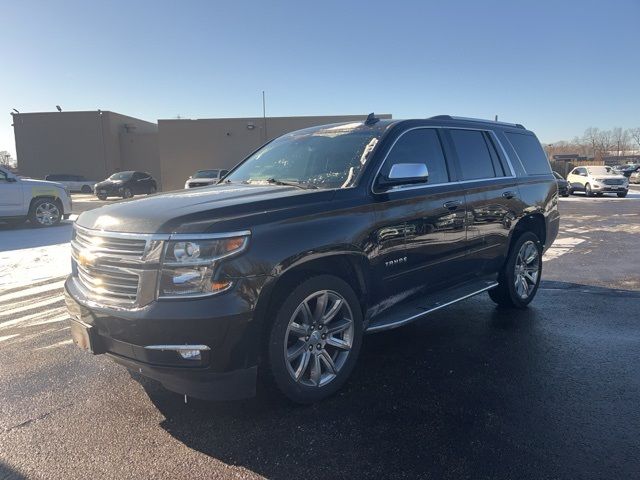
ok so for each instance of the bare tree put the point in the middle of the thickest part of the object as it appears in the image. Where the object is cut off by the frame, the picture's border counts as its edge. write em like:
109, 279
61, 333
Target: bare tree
634, 133
592, 139
6, 159
620, 140
605, 142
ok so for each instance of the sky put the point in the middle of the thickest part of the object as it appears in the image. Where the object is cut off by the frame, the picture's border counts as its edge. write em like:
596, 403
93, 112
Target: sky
558, 67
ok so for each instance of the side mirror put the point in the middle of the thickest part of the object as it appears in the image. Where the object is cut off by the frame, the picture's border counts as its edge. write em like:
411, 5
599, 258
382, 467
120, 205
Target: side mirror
405, 173
11, 179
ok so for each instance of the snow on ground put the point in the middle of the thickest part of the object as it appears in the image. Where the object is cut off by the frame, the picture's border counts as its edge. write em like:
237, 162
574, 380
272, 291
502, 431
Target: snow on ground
29, 255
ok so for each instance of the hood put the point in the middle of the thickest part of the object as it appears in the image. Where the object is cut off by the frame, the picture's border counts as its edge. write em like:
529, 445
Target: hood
199, 210
608, 176
203, 180
41, 183
109, 183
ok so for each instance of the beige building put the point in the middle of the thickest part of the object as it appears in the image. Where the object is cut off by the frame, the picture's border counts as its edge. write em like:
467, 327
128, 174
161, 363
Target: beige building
92, 143
97, 143
189, 145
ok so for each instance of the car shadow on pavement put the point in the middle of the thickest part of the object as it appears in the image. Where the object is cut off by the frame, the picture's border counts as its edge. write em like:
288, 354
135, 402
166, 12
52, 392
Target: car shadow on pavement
29, 236
473, 391
426, 399
7, 473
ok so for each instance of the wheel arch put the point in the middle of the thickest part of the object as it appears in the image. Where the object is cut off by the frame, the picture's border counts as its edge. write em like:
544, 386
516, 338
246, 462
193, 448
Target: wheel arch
56, 200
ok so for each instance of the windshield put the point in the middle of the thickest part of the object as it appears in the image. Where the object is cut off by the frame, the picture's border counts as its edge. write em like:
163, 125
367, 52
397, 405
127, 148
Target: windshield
206, 174
121, 176
601, 170
319, 157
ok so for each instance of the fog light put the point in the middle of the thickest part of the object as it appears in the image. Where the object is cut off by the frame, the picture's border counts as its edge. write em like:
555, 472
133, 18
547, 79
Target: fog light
190, 354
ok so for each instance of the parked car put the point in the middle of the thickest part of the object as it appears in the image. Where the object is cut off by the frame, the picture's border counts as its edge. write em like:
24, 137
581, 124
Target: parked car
74, 183
126, 185
635, 177
597, 180
203, 178
320, 236
563, 185
627, 170
43, 203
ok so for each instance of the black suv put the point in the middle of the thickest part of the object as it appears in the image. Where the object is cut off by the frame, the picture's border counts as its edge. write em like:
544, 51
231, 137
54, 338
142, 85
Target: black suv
317, 237
125, 185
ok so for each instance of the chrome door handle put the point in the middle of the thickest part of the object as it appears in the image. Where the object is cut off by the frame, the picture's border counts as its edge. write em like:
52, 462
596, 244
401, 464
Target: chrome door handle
508, 195
452, 204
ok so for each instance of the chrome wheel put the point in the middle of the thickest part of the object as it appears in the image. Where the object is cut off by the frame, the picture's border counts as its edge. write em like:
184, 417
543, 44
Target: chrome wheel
527, 269
47, 213
319, 338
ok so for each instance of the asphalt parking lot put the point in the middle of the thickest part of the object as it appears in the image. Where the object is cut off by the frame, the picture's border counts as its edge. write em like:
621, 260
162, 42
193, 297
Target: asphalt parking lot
472, 391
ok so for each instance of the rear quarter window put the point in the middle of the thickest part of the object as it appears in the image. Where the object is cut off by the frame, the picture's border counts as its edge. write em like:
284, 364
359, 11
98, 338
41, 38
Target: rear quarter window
530, 153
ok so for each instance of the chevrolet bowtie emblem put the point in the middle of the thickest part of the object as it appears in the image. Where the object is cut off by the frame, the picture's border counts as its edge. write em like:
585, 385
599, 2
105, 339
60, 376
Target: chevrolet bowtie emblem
86, 258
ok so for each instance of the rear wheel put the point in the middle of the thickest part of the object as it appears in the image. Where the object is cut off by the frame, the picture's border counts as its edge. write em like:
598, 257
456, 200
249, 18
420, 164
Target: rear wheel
127, 193
315, 339
152, 190
45, 212
86, 189
520, 277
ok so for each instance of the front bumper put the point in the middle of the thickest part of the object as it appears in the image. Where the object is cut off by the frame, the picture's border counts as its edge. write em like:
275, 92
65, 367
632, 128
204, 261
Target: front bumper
598, 187
224, 323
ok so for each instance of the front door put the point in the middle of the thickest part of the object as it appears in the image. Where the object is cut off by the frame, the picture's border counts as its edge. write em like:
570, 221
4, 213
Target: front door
11, 196
422, 226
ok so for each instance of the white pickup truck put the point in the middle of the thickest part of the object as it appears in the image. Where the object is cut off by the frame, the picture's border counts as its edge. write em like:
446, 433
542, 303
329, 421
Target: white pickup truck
43, 203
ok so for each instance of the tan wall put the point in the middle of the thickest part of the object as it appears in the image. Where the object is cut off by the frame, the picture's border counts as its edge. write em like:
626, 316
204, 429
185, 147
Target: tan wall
79, 143
189, 145
139, 151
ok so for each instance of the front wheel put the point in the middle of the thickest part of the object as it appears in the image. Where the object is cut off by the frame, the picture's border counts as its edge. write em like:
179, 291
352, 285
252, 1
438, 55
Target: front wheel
152, 190
621, 194
315, 339
102, 197
45, 213
127, 193
520, 277
588, 191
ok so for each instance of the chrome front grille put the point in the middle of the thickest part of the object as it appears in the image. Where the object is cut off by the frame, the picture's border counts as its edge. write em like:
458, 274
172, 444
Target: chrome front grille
613, 181
114, 247
116, 269
110, 284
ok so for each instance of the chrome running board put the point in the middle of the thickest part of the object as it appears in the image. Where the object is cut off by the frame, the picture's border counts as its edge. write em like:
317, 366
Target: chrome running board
412, 310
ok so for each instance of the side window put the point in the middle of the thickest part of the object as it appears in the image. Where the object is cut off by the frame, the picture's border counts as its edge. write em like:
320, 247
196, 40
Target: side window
3, 176
223, 173
475, 159
421, 145
530, 153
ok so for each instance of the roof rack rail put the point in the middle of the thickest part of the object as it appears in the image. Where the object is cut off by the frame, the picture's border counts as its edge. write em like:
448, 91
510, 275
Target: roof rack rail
479, 120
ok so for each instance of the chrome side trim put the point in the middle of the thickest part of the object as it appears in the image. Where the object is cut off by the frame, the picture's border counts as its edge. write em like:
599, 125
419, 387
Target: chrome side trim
458, 182
404, 321
208, 236
177, 347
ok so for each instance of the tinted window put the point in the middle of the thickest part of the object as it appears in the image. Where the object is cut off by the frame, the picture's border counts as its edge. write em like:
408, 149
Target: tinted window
223, 172
419, 146
473, 155
530, 153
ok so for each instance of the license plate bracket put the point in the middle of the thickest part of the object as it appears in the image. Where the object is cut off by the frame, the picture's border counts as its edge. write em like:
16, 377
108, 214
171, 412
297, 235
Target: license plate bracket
83, 336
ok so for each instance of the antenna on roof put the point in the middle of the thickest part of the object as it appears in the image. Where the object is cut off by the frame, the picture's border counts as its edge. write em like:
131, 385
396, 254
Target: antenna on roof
371, 119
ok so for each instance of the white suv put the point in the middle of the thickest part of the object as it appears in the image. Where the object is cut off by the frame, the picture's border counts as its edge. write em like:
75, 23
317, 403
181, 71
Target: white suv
43, 203
204, 178
597, 180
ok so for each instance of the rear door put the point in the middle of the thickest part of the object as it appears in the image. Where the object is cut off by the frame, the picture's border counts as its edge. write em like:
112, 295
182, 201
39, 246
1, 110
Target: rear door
491, 194
421, 226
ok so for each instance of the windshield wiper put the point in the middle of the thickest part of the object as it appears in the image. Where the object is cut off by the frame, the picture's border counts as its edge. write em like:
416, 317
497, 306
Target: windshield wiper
304, 186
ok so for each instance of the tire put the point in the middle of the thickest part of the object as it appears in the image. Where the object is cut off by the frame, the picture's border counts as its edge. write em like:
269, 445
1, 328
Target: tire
570, 192
599, 194
313, 353
587, 190
127, 193
45, 212
506, 293
152, 190
86, 189
102, 197
622, 194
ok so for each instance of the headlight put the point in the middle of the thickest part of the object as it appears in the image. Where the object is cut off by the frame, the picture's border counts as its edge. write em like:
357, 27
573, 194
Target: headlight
599, 179
189, 265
